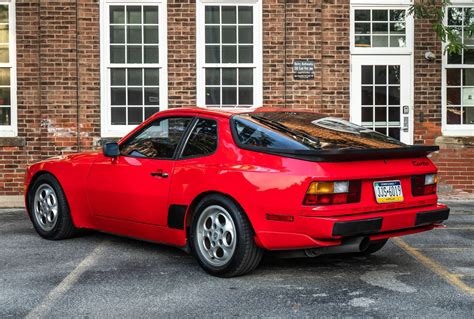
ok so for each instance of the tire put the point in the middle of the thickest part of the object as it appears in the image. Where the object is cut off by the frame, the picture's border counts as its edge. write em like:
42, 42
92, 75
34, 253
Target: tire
373, 247
49, 210
222, 239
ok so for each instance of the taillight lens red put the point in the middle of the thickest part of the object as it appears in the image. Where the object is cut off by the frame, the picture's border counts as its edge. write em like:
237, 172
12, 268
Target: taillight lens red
424, 184
331, 193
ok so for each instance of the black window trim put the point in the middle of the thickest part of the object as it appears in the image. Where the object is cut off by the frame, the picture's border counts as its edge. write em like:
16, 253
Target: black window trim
180, 157
338, 155
176, 151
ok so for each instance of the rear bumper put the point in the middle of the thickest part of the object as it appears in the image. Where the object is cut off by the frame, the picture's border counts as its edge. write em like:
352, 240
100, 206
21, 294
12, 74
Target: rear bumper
310, 232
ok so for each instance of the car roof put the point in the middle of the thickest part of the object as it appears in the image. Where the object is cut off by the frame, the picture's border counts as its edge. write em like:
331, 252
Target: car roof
230, 112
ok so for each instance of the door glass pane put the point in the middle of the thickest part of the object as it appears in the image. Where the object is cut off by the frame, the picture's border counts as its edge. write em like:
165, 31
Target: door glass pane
381, 87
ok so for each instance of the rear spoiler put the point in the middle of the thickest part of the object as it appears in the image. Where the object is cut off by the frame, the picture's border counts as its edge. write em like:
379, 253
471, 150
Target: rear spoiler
350, 154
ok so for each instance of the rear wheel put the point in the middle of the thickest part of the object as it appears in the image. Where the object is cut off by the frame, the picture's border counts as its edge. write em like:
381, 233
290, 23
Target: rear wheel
49, 210
222, 239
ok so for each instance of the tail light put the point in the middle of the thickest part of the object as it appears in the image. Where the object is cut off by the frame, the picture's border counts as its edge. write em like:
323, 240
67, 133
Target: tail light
424, 184
330, 193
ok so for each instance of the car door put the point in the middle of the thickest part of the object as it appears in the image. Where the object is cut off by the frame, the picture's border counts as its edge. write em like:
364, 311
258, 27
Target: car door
135, 185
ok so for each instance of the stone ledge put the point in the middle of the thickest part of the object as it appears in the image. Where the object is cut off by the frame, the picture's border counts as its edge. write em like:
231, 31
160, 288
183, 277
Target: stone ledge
467, 141
12, 201
12, 141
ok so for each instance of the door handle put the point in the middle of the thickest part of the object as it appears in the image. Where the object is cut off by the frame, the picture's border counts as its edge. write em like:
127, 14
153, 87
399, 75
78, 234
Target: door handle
159, 173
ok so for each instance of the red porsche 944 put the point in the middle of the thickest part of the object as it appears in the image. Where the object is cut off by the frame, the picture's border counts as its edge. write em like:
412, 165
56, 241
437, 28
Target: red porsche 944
228, 186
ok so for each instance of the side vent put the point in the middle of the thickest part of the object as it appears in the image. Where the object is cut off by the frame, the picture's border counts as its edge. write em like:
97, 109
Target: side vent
176, 215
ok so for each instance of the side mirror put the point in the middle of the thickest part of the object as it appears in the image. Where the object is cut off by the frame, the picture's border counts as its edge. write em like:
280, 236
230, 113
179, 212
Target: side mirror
111, 150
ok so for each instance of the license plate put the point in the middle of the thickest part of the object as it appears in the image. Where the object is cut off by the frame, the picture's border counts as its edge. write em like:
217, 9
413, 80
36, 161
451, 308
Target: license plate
388, 192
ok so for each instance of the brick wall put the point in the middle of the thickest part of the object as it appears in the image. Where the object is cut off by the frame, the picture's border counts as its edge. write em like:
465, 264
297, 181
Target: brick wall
58, 55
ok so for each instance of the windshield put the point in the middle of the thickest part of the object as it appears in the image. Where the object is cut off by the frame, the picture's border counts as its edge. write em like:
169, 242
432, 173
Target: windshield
305, 131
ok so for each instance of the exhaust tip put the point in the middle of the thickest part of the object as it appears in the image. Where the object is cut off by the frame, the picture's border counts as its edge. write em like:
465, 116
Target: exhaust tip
364, 244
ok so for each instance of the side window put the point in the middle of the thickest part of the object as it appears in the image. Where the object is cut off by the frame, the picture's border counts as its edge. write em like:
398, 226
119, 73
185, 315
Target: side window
203, 139
158, 140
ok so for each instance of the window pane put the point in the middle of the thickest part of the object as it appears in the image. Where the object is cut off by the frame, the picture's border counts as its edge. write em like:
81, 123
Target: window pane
453, 96
229, 96
213, 96
135, 96
394, 132
117, 14
245, 15
362, 41
246, 96
394, 114
455, 16
229, 76
149, 111
380, 95
380, 115
245, 76
454, 59
134, 54
134, 76
394, 95
397, 28
117, 96
380, 28
362, 28
212, 54
119, 116
245, 54
4, 37
151, 54
229, 34
469, 56
4, 56
246, 34
397, 15
117, 76
117, 54
152, 77
468, 117
203, 139
135, 115
151, 34
134, 34
367, 95
367, 74
5, 96
454, 115
398, 42
117, 34
228, 14
468, 78
380, 74
394, 74
5, 117
213, 34
213, 76
212, 14
151, 14
379, 15
134, 14
4, 76
152, 96
380, 41
362, 15
229, 54
367, 114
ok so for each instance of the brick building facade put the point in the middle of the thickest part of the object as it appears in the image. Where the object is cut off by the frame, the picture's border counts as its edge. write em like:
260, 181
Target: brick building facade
76, 73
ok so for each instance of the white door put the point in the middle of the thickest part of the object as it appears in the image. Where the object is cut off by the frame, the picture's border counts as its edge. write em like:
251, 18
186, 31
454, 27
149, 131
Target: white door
381, 94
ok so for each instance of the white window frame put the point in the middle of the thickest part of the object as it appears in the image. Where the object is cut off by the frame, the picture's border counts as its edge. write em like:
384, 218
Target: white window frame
453, 129
107, 129
12, 129
257, 52
387, 5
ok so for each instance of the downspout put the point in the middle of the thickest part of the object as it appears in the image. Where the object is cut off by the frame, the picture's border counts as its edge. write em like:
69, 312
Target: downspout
285, 55
78, 132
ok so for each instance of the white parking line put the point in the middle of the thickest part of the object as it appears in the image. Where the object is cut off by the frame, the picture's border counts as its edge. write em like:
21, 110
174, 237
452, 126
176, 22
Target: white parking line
60, 290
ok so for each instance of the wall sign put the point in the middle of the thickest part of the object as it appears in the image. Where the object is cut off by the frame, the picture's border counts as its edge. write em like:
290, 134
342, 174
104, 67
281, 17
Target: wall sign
303, 69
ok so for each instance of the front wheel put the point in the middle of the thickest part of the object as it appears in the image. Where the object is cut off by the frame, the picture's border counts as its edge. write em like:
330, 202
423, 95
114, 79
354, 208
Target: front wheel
49, 210
222, 239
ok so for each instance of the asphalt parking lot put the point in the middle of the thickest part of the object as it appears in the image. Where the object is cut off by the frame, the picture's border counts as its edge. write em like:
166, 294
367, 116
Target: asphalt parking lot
99, 275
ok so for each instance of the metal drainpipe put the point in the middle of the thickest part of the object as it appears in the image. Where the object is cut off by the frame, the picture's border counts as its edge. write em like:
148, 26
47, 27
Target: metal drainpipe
78, 133
285, 55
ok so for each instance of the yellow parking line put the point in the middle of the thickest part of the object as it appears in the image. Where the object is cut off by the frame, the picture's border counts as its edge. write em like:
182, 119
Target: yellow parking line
446, 248
434, 266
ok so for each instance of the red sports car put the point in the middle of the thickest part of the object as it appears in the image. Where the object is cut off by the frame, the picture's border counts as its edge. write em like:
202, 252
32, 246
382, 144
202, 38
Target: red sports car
227, 186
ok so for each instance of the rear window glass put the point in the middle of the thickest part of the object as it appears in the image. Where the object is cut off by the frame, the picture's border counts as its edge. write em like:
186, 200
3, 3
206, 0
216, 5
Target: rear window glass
305, 131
